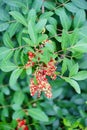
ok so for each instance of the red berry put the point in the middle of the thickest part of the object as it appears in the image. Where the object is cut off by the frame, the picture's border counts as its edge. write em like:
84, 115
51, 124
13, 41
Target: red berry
31, 55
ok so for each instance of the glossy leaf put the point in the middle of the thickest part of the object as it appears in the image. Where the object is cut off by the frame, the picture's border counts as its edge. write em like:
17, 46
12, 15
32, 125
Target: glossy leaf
79, 19
32, 33
7, 41
38, 114
74, 70
14, 76
19, 17
81, 4
40, 25
81, 75
7, 66
64, 18
18, 114
74, 84
4, 52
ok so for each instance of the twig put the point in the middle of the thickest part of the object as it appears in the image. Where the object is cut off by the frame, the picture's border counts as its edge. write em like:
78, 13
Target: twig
43, 10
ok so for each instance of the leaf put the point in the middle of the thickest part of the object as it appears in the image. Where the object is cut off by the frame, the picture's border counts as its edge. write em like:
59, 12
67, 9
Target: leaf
19, 17
79, 19
37, 5
82, 75
51, 29
4, 52
7, 41
64, 18
32, 33
53, 22
15, 3
13, 29
7, 66
18, 97
46, 15
32, 15
71, 7
49, 5
64, 66
29, 71
4, 16
42, 38
18, 114
40, 25
74, 37
28, 41
14, 76
5, 90
65, 40
80, 47
74, 70
3, 26
38, 114
5, 126
74, 84
79, 3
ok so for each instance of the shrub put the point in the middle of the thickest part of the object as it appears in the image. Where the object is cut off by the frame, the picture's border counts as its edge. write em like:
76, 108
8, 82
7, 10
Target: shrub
43, 46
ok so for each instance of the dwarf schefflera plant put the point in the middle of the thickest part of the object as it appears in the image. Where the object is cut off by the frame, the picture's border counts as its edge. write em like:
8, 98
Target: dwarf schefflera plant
41, 52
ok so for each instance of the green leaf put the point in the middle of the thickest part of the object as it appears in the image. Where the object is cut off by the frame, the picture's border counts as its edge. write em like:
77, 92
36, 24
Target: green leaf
5, 90
42, 37
64, 18
7, 41
40, 25
38, 114
80, 47
79, 3
79, 19
50, 46
51, 29
7, 66
4, 52
74, 84
32, 15
53, 22
32, 33
64, 66
65, 40
74, 70
16, 107
3, 26
37, 5
71, 7
5, 126
18, 97
29, 71
13, 29
18, 114
19, 17
82, 75
15, 3
28, 41
49, 5
14, 76
46, 15
74, 37
4, 16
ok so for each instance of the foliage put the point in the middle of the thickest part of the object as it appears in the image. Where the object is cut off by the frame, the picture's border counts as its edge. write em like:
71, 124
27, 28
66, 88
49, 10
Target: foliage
32, 34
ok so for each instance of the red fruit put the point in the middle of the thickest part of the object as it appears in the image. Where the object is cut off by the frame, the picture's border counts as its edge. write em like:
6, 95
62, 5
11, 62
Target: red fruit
25, 127
31, 55
21, 123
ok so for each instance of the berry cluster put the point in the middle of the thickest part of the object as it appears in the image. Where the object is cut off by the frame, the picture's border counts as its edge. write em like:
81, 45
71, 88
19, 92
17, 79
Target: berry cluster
42, 81
22, 125
30, 63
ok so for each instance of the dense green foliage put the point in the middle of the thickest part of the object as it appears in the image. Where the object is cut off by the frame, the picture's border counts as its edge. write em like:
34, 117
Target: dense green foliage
24, 26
